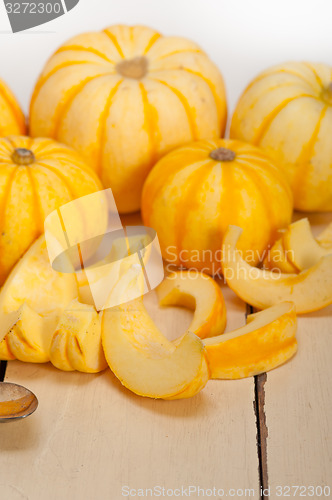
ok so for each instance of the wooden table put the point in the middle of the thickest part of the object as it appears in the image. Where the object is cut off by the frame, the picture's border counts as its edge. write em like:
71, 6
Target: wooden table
92, 439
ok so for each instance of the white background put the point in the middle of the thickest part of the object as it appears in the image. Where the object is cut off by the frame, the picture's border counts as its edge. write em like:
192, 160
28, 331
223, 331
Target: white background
242, 37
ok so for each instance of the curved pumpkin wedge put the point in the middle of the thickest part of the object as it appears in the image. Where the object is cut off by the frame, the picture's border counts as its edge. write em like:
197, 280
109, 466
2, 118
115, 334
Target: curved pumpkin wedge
325, 237
30, 338
143, 359
265, 342
278, 259
197, 292
76, 343
34, 282
298, 247
310, 290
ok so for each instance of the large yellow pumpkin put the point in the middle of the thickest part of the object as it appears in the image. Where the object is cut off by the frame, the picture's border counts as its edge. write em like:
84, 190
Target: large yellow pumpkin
193, 194
124, 97
36, 177
287, 111
12, 120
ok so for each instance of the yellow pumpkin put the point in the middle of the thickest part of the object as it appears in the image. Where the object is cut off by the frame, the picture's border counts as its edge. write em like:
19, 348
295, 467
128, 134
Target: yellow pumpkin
193, 194
36, 177
287, 111
124, 97
12, 120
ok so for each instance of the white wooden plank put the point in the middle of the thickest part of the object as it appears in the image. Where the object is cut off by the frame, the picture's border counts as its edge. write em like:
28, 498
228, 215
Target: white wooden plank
298, 406
90, 436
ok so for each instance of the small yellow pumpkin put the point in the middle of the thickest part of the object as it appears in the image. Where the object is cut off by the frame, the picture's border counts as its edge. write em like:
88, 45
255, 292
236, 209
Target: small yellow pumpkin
287, 111
193, 194
12, 120
124, 97
36, 177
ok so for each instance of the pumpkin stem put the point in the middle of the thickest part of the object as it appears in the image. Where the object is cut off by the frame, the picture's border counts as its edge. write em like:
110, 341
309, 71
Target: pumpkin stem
23, 156
133, 68
222, 154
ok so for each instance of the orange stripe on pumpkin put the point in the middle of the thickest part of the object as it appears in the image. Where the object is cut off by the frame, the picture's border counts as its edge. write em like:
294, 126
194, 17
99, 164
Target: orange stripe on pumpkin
306, 154
102, 125
63, 108
150, 124
43, 79
186, 51
58, 174
188, 109
7, 192
216, 98
271, 116
276, 72
116, 44
38, 219
80, 48
152, 41
188, 202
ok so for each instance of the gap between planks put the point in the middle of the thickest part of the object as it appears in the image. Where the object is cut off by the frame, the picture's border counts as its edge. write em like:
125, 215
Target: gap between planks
261, 427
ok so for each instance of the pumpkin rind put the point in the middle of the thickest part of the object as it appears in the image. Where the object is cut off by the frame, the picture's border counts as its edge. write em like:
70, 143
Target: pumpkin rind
123, 120
28, 193
287, 111
12, 119
190, 199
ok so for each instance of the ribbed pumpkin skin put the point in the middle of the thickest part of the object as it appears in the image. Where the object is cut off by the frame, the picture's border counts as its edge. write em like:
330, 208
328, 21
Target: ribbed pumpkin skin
122, 124
28, 193
287, 111
12, 120
190, 200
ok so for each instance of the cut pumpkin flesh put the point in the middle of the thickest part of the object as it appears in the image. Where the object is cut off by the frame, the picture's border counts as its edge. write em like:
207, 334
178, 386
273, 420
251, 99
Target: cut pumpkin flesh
76, 343
265, 342
197, 292
30, 338
143, 359
325, 237
310, 290
297, 249
278, 259
34, 282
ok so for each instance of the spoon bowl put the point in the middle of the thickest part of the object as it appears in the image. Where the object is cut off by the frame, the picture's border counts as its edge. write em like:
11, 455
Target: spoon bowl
16, 402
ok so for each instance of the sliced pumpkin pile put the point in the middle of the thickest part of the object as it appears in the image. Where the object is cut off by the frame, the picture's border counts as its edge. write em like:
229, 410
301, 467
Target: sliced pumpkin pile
297, 249
44, 318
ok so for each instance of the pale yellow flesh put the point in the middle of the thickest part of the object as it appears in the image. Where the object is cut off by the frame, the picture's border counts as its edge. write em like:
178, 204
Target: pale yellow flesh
76, 343
29, 338
310, 290
297, 249
143, 359
197, 292
267, 341
325, 237
34, 282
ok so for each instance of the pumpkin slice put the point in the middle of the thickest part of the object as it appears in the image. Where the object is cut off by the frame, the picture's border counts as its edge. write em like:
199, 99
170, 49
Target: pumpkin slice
297, 247
197, 292
277, 259
310, 290
30, 338
265, 342
143, 359
76, 343
34, 282
325, 237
